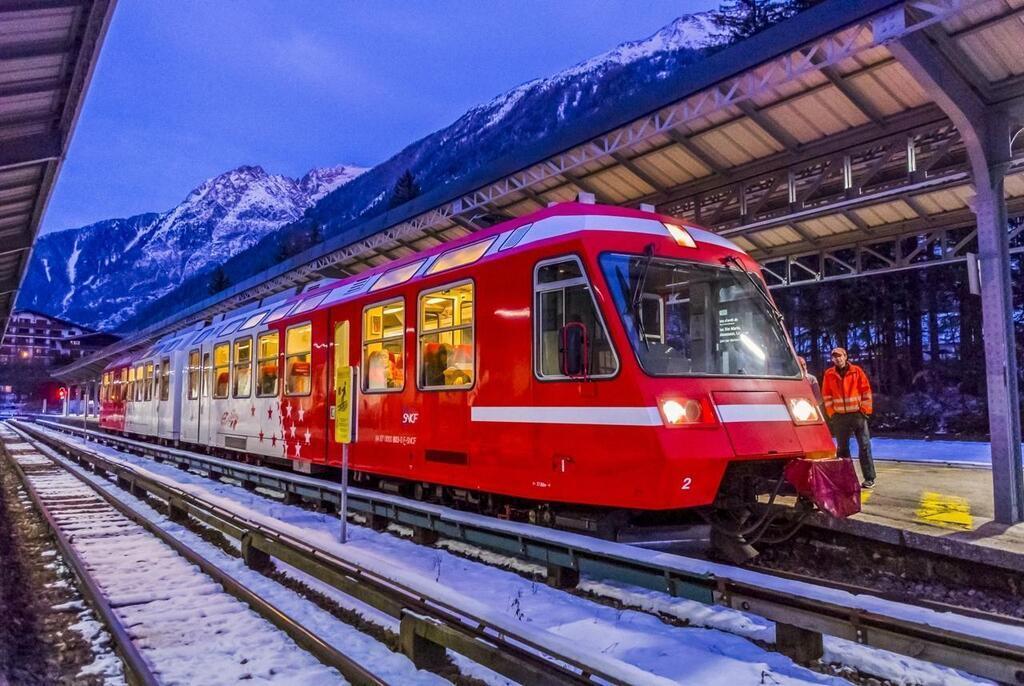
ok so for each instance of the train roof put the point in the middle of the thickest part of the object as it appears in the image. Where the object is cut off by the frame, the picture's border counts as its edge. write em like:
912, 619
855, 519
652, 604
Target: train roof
552, 223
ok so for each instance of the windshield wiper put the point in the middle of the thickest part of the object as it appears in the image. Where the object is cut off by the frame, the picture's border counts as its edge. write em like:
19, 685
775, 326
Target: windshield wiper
761, 290
638, 294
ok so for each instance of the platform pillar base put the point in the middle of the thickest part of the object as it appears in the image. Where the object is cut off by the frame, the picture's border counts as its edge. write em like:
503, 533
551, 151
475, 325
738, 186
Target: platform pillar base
377, 522
424, 653
800, 645
423, 536
254, 558
562, 577
176, 511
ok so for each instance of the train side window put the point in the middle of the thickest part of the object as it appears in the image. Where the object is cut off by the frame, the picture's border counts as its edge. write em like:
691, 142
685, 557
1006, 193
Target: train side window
139, 383
193, 374
165, 379
269, 364
562, 295
243, 368
446, 350
148, 384
126, 390
297, 346
384, 347
221, 369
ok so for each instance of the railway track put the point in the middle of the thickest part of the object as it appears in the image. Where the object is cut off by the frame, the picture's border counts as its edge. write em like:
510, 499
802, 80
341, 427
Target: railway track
159, 599
429, 626
802, 611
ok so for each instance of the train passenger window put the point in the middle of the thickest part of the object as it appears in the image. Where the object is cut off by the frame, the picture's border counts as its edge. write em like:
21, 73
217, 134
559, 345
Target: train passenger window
397, 275
221, 369
193, 374
384, 346
460, 257
562, 296
253, 320
125, 390
297, 347
148, 386
243, 368
130, 397
269, 344
165, 379
446, 351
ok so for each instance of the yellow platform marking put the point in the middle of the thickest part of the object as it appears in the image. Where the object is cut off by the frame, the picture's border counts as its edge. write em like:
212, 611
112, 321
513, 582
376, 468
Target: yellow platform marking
945, 511
865, 495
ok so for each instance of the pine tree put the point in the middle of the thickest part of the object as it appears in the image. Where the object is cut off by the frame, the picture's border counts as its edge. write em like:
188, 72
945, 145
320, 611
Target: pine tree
405, 189
740, 19
316, 233
219, 281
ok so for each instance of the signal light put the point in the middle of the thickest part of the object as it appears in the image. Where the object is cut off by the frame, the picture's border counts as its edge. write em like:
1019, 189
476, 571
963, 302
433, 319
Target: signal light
681, 236
62, 393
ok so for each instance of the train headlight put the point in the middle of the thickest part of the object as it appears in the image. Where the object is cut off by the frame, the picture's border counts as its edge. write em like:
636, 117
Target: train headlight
803, 411
681, 412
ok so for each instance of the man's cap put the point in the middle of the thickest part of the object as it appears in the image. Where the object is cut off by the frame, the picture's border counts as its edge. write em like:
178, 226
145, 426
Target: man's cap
841, 351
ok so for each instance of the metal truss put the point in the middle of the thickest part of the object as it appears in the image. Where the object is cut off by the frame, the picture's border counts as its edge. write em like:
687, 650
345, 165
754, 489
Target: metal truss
916, 250
896, 167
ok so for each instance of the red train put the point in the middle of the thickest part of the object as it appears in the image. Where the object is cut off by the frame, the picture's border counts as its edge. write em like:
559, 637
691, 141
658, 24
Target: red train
580, 359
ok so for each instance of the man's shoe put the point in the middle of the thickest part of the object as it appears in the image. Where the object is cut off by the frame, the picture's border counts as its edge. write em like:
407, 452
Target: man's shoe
868, 484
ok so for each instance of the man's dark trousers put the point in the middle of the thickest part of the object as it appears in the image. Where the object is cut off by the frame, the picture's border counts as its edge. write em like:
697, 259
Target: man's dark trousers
855, 424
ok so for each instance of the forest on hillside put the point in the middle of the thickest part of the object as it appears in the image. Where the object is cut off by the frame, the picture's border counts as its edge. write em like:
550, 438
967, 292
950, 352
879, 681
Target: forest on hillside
918, 335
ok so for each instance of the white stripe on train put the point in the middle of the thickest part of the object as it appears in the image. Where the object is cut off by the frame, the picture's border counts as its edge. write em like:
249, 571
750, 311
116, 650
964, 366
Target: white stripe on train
618, 416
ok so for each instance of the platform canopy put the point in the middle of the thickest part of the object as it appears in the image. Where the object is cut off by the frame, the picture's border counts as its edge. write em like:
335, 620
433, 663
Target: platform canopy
856, 137
48, 49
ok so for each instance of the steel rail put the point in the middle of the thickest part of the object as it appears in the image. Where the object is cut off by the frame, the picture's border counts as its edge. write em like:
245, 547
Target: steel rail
327, 654
499, 646
997, 660
139, 672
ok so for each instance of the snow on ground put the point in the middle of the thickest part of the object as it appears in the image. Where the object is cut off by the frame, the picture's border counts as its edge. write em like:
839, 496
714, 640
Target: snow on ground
187, 628
392, 667
683, 654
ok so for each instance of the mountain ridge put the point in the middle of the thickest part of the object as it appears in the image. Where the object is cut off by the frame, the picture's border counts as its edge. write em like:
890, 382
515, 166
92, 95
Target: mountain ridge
131, 261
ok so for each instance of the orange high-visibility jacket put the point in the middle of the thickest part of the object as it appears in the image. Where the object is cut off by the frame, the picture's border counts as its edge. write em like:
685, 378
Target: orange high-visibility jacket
848, 393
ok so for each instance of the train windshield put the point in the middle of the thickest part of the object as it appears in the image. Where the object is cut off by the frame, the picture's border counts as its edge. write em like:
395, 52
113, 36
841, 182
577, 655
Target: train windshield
685, 319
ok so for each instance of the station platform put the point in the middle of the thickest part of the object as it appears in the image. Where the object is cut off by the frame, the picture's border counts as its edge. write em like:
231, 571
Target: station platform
937, 500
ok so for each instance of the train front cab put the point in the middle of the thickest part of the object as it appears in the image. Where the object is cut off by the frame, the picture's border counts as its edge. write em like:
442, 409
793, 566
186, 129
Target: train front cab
716, 369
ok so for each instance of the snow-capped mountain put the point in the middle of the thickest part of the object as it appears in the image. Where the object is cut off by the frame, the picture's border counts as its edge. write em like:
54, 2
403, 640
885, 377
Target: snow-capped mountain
582, 98
246, 220
101, 275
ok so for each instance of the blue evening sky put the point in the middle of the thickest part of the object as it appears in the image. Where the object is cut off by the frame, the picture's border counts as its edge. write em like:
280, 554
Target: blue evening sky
187, 89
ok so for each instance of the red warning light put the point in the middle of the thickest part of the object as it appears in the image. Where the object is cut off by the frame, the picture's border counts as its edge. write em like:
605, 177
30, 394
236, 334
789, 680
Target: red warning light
62, 393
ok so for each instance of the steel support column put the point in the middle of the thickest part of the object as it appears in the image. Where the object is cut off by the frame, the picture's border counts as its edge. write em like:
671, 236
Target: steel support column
986, 134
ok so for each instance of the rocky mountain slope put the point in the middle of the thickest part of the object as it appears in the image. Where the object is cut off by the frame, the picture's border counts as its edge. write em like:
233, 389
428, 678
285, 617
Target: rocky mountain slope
101, 275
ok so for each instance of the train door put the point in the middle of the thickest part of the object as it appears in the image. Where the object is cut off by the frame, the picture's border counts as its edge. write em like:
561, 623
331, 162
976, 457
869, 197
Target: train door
338, 363
164, 404
203, 421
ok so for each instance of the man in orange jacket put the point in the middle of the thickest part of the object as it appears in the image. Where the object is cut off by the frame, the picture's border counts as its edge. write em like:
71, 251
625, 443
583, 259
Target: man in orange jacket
847, 395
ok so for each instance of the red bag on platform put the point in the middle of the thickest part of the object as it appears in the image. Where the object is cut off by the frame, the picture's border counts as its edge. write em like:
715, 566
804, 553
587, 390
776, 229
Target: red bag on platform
830, 484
